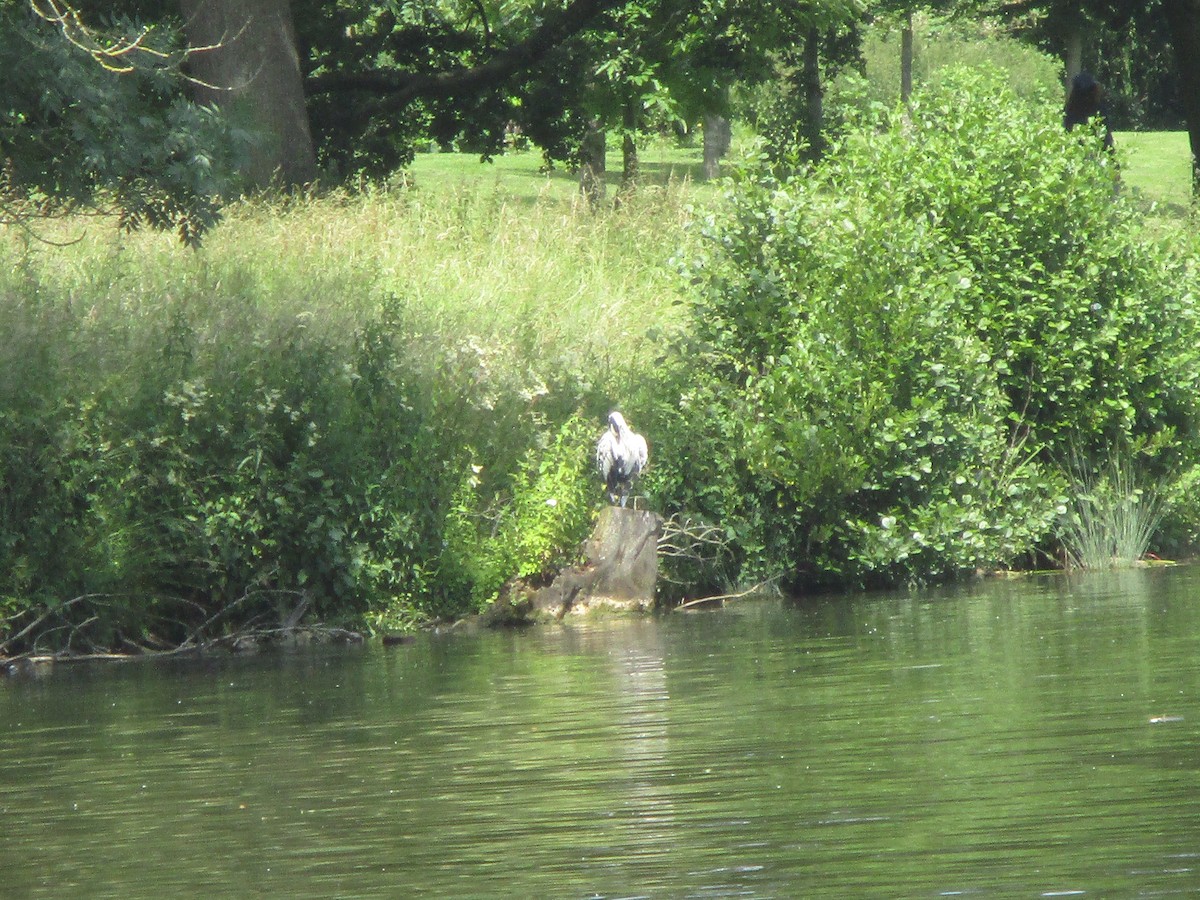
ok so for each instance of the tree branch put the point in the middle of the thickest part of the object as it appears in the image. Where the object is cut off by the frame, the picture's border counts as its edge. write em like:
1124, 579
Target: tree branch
721, 598
398, 89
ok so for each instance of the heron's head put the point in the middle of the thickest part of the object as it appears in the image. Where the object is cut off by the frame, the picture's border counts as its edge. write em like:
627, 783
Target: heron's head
616, 422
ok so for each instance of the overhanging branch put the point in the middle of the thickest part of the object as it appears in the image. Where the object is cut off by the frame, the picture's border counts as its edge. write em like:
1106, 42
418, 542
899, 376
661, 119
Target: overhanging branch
397, 89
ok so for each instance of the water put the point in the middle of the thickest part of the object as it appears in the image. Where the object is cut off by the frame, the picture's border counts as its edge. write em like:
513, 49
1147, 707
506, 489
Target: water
1026, 738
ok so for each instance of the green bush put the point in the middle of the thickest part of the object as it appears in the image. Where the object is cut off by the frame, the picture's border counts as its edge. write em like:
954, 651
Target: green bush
194, 443
210, 465
899, 347
532, 530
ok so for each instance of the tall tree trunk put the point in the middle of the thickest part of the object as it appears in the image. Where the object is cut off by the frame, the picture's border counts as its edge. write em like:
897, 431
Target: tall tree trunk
246, 63
906, 59
591, 163
716, 143
1073, 51
1183, 19
629, 154
814, 101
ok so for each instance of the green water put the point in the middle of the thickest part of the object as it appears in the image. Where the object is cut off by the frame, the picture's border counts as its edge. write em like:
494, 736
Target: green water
990, 741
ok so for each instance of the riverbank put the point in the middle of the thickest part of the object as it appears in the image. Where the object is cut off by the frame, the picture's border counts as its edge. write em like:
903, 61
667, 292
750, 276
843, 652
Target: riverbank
385, 402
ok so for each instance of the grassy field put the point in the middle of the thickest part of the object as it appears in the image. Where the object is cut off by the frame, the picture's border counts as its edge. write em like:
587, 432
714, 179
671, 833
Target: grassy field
1157, 167
501, 252
524, 173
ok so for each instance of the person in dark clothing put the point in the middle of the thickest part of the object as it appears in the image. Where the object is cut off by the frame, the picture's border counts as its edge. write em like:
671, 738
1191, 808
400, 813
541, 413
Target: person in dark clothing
1086, 102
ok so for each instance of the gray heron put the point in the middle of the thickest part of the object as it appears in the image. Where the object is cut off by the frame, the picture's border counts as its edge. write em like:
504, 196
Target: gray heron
621, 455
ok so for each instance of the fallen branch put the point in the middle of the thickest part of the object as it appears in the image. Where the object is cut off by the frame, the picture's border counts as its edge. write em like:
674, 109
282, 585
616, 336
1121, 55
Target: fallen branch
691, 541
229, 641
721, 598
47, 614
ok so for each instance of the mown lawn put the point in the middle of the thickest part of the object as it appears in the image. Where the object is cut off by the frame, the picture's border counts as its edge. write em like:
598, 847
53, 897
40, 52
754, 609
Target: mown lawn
525, 173
1156, 165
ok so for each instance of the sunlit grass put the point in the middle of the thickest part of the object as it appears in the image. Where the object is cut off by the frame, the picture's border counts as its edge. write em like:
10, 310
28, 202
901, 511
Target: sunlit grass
525, 173
497, 254
1157, 165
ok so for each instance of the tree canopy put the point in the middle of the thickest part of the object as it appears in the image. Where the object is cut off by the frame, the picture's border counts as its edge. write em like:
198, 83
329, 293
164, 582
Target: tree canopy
156, 108
98, 118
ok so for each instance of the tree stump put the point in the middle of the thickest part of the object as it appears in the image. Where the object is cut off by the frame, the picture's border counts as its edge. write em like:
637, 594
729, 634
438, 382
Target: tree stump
620, 569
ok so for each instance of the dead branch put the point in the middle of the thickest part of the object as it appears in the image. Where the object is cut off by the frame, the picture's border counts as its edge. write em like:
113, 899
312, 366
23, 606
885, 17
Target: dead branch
687, 539
722, 598
28, 629
691, 541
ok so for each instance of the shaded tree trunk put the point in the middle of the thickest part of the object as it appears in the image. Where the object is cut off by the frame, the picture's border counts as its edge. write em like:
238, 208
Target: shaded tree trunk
629, 155
246, 63
906, 59
1183, 19
717, 137
591, 163
814, 99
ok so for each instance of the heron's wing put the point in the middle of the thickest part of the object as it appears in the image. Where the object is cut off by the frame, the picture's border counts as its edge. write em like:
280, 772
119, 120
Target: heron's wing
639, 453
605, 454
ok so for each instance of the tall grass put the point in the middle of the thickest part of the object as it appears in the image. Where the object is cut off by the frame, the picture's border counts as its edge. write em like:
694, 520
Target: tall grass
189, 440
529, 273
1111, 516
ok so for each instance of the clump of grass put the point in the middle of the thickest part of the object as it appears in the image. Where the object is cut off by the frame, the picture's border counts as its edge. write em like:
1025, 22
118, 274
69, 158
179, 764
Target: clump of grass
1111, 517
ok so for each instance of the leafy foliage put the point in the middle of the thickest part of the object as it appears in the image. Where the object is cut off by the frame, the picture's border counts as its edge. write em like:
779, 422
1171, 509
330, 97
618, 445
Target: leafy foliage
193, 444
901, 345
533, 531
76, 132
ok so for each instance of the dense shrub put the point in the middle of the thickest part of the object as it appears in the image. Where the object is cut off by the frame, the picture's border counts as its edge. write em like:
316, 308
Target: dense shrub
361, 408
207, 466
531, 530
899, 348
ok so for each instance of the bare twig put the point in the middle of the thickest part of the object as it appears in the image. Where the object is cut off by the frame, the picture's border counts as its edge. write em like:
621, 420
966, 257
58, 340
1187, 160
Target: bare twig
691, 542
226, 609
721, 598
686, 539
113, 56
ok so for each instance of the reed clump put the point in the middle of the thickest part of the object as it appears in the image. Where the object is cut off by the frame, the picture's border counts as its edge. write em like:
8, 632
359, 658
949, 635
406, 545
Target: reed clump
1112, 513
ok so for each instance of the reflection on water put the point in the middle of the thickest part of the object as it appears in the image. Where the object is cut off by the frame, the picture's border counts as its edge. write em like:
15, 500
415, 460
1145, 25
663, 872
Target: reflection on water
1034, 737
